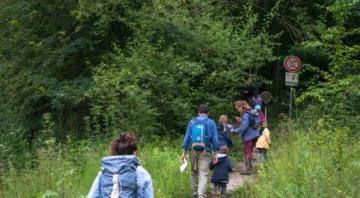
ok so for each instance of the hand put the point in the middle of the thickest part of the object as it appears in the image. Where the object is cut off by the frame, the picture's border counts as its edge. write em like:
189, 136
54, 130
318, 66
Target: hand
182, 158
215, 159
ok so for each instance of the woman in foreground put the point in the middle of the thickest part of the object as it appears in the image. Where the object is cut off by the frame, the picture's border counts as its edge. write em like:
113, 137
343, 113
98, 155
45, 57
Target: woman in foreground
121, 174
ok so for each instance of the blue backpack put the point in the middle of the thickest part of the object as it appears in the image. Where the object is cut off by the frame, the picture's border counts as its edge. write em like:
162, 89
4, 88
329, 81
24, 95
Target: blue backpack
254, 119
118, 178
199, 135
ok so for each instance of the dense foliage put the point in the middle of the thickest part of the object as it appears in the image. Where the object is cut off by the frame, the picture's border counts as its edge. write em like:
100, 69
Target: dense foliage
337, 96
97, 67
75, 72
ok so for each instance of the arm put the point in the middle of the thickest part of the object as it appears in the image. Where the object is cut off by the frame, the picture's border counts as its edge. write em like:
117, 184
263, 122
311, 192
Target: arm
229, 165
244, 125
94, 191
214, 135
186, 142
144, 182
214, 140
148, 189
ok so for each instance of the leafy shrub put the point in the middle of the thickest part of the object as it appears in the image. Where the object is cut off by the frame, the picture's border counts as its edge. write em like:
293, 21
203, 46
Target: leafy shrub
318, 162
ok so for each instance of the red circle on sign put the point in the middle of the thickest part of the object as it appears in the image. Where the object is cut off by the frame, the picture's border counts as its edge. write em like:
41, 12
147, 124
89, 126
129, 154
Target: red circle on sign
292, 64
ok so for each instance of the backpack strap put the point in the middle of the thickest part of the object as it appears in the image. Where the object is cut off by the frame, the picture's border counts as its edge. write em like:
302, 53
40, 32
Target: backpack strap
116, 191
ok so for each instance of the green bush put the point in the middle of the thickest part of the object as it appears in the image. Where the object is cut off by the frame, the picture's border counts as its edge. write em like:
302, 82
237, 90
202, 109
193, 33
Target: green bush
102, 66
312, 163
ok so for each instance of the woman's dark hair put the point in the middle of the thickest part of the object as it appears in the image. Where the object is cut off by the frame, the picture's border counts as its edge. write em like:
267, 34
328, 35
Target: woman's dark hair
203, 109
124, 145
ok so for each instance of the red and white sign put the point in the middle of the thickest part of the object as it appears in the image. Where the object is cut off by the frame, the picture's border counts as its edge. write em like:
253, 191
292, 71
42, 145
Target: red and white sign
292, 64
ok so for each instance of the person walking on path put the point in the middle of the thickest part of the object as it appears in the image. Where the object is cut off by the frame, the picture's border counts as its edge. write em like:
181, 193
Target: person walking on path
224, 132
121, 174
263, 143
221, 170
201, 141
247, 132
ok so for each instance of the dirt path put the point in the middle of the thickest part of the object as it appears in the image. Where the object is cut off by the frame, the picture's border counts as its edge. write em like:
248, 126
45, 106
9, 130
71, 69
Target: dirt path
236, 180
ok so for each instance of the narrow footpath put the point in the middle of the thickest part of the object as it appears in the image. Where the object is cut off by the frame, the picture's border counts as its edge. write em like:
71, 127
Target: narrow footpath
237, 180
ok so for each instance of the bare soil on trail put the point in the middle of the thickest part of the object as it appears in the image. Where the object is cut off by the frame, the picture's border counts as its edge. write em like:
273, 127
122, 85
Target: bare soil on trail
237, 180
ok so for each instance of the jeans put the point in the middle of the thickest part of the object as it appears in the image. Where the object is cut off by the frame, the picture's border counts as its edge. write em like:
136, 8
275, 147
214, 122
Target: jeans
248, 147
200, 168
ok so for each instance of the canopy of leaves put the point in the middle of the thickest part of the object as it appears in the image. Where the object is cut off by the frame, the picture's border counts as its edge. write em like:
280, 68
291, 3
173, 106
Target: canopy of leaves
98, 67
83, 68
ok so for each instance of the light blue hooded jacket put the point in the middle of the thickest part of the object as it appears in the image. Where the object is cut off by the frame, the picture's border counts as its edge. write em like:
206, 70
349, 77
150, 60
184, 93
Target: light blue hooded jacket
121, 176
245, 131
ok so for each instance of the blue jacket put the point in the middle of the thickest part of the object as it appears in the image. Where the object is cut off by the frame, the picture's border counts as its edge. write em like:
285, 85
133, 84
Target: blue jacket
224, 136
132, 180
246, 132
212, 142
221, 169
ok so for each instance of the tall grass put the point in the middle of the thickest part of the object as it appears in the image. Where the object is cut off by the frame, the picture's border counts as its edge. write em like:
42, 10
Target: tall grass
162, 162
310, 163
54, 172
307, 162
69, 172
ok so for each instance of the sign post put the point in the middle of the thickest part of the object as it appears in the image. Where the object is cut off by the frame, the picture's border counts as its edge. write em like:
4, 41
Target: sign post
292, 64
266, 97
291, 79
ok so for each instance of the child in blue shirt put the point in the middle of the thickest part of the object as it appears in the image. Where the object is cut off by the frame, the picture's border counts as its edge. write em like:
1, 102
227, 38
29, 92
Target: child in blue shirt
221, 170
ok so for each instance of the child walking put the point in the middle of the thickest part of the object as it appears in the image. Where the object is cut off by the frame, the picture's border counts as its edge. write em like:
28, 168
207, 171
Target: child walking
263, 143
221, 170
224, 132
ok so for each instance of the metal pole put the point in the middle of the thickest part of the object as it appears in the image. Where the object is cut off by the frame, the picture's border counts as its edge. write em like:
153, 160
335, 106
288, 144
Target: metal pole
290, 105
266, 113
